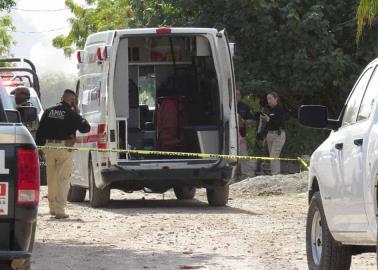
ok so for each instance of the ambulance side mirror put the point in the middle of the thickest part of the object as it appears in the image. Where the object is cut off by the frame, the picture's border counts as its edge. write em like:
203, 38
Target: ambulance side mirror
28, 114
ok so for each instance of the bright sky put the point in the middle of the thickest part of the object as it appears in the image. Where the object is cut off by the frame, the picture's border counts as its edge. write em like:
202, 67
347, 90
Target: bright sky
38, 46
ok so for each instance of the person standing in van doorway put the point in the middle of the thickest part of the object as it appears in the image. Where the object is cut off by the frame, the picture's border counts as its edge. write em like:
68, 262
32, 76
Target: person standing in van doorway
57, 128
246, 118
276, 136
21, 97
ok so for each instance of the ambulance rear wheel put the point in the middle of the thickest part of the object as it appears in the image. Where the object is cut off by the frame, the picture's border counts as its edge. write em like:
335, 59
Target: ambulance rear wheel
76, 194
185, 192
97, 197
218, 195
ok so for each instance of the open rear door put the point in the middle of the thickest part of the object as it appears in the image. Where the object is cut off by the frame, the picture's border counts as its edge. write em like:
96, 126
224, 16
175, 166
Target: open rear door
118, 94
231, 126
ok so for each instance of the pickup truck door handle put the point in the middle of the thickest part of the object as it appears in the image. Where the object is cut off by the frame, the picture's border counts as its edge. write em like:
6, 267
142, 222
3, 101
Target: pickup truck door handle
339, 146
358, 142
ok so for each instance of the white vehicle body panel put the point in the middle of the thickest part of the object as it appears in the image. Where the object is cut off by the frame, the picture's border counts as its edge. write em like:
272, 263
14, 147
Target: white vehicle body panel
347, 177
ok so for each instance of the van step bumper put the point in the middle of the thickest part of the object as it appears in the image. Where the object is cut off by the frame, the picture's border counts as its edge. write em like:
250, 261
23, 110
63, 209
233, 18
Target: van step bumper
12, 255
119, 174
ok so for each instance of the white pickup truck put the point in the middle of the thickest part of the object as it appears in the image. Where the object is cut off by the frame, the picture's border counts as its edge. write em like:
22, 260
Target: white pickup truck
342, 215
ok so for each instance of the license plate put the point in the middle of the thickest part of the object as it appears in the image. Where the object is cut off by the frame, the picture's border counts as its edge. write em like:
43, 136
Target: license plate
3, 199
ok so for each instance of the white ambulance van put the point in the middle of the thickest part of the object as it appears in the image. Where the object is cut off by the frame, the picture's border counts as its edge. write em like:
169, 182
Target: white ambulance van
156, 89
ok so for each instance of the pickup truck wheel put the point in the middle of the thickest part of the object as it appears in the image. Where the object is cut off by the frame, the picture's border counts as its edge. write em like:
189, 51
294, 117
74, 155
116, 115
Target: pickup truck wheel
76, 194
185, 192
218, 195
97, 197
323, 252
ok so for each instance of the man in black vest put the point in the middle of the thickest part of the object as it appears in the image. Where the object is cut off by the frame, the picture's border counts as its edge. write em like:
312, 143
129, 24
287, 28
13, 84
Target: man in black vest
58, 127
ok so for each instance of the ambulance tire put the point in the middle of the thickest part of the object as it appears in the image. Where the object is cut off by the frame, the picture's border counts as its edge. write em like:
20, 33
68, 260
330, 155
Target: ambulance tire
97, 197
76, 194
218, 195
185, 192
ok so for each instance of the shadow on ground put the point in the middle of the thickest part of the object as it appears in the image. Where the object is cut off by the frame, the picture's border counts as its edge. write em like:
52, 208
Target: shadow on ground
169, 206
71, 255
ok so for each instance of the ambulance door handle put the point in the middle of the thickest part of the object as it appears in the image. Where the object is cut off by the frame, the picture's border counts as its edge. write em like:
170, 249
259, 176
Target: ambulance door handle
358, 142
339, 146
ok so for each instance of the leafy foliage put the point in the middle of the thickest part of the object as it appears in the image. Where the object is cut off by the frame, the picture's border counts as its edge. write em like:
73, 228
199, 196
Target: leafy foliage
304, 50
5, 27
6, 4
101, 15
367, 11
5, 36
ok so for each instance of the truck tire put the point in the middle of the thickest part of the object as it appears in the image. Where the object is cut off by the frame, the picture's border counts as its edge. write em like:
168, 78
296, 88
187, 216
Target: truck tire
76, 194
218, 195
97, 197
323, 252
185, 192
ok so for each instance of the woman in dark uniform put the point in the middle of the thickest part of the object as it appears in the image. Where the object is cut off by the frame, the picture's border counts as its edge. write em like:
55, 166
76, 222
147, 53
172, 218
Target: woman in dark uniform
276, 136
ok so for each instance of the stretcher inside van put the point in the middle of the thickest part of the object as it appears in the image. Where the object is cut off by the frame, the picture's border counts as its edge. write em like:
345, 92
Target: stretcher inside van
157, 89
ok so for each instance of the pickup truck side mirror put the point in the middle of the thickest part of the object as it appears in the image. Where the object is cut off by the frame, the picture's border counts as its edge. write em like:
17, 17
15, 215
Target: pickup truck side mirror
316, 116
28, 113
13, 116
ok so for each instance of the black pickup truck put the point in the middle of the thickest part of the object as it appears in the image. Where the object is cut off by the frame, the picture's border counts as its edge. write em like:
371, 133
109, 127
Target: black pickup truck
19, 187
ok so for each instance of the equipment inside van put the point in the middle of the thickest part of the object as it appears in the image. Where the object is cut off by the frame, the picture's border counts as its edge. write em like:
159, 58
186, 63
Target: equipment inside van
164, 89
173, 95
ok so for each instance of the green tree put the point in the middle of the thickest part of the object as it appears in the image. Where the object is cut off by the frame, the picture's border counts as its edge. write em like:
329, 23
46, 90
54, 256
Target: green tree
5, 37
304, 50
5, 27
367, 11
100, 15
6, 4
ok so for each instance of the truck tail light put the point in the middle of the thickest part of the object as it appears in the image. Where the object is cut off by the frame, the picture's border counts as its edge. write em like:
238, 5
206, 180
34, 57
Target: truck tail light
102, 136
27, 177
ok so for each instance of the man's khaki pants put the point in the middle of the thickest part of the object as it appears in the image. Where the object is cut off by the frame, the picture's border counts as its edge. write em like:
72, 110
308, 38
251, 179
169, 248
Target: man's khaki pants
247, 166
275, 143
58, 170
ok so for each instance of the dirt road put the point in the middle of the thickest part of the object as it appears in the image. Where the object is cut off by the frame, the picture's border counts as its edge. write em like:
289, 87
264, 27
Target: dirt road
152, 233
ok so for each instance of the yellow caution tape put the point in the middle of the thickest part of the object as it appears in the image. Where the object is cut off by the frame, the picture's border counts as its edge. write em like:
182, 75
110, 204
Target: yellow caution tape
177, 154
